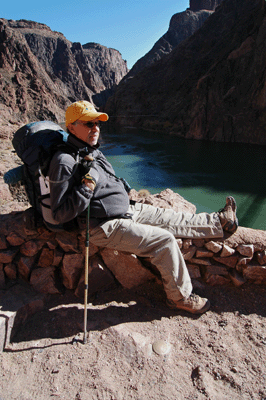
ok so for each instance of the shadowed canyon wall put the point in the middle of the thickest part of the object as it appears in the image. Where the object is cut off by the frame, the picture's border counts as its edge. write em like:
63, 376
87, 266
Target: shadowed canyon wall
211, 86
196, 5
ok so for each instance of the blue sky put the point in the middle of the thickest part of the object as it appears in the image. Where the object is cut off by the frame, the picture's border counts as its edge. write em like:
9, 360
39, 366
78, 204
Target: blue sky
129, 26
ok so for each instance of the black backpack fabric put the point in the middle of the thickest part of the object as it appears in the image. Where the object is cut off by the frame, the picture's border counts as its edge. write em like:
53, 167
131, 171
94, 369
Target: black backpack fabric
35, 143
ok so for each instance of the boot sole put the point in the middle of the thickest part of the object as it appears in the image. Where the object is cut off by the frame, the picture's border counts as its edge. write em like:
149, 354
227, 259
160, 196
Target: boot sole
191, 310
231, 226
232, 203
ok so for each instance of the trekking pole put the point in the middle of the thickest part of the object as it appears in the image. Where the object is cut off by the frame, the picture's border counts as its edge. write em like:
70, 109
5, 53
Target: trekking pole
86, 274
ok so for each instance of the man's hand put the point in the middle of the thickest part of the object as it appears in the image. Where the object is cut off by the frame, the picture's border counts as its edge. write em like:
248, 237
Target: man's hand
89, 181
92, 176
91, 185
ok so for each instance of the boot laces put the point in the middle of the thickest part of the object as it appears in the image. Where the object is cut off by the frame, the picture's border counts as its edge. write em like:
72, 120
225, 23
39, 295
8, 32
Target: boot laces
194, 298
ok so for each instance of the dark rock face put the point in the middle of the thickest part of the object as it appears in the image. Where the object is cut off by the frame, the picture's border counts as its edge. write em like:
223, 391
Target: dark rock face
196, 5
211, 86
108, 70
182, 26
41, 72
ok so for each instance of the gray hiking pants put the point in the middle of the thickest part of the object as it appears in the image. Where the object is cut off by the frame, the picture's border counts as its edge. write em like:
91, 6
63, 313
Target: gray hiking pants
152, 233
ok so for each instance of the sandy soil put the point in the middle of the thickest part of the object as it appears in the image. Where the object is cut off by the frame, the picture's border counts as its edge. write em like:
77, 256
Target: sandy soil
219, 355
136, 347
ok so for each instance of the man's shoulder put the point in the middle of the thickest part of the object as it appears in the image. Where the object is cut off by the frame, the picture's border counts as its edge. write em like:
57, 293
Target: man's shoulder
64, 155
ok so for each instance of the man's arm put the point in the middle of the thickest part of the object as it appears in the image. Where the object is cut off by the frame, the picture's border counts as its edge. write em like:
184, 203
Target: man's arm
69, 196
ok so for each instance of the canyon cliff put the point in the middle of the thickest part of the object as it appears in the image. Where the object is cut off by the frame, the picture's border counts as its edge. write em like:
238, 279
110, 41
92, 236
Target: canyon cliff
41, 72
182, 25
211, 86
196, 5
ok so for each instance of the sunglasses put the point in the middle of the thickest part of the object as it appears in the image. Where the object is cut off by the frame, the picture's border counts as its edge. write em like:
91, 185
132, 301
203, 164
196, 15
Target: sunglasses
90, 124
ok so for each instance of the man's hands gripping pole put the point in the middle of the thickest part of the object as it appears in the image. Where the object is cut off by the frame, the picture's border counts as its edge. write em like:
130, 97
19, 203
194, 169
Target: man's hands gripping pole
91, 177
89, 181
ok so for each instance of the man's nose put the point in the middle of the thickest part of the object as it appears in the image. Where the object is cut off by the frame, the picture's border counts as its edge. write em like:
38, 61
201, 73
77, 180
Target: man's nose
95, 128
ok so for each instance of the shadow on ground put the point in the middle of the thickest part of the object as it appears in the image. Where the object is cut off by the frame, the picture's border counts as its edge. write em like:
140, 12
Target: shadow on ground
62, 316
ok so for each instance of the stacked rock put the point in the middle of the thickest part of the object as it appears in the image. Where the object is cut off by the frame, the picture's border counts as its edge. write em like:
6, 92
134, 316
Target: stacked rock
52, 262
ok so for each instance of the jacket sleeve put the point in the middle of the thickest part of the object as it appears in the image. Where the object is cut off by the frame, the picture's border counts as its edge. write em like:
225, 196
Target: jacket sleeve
69, 197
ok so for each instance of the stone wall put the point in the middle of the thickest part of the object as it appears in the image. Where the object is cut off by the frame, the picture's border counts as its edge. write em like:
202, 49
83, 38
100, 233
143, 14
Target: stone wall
52, 262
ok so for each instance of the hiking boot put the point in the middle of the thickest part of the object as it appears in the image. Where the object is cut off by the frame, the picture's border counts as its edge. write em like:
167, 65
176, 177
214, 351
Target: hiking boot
194, 304
228, 216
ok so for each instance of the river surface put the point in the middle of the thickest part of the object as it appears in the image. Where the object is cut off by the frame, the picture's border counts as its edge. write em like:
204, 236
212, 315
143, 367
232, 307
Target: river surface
204, 173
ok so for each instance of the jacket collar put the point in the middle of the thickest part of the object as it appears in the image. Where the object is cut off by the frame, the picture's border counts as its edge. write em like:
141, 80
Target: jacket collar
80, 145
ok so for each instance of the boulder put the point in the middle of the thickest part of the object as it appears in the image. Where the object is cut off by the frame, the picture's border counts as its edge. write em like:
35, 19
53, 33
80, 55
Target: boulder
68, 242
165, 199
25, 266
255, 273
46, 258
29, 248
71, 269
99, 278
261, 257
43, 280
247, 236
7, 256
11, 271
213, 246
127, 268
15, 239
227, 251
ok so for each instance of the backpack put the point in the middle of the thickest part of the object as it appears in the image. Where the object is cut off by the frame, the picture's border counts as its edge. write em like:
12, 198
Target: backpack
36, 143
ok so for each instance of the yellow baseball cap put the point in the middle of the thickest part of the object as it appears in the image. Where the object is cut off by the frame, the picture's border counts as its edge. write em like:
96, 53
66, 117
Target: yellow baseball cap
84, 111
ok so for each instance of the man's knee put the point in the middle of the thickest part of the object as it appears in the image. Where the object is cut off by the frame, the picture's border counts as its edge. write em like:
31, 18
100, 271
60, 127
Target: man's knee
167, 239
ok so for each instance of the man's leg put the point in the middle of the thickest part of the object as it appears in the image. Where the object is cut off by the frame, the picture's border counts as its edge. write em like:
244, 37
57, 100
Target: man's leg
180, 224
148, 241
159, 245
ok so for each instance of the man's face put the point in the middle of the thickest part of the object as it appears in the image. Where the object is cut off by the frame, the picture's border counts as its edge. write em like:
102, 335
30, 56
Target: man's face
88, 132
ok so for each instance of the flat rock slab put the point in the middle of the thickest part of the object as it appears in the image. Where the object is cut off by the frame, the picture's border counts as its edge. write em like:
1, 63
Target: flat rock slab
248, 236
16, 305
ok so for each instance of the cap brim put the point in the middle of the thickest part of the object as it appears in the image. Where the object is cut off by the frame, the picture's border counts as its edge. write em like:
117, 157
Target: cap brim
90, 116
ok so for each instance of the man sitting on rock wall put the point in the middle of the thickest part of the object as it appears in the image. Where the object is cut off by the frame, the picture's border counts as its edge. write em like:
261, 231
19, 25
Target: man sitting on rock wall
115, 222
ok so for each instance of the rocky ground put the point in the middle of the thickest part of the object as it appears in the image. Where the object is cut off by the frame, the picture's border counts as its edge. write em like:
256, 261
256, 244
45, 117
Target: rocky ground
136, 347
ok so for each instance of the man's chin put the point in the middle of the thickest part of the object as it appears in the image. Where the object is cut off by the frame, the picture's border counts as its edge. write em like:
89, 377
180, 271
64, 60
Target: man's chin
92, 142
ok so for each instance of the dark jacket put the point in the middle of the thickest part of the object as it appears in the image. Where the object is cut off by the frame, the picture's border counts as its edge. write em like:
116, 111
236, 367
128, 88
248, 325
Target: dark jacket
70, 198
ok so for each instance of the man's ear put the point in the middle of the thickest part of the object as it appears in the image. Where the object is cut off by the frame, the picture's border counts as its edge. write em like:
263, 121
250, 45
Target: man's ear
71, 128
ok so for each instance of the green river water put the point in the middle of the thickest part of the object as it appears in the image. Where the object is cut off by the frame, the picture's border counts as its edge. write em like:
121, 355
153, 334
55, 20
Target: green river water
204, 173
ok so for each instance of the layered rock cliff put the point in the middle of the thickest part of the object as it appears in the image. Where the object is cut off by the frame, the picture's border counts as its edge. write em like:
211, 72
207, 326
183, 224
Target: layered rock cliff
41, 72
182, 25
211, 86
